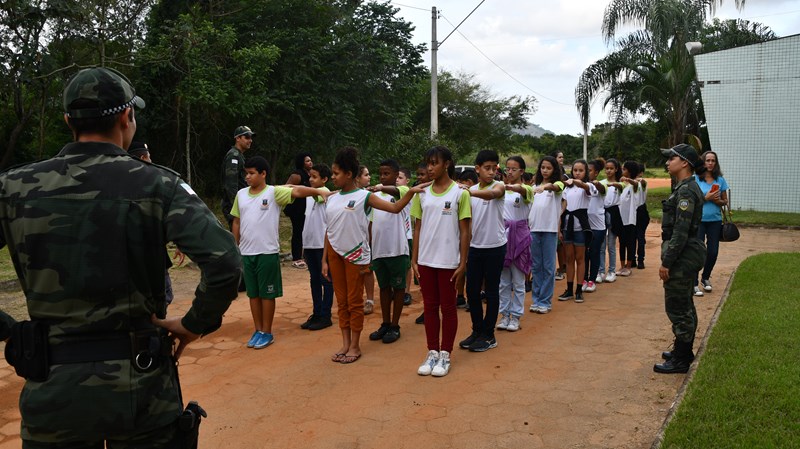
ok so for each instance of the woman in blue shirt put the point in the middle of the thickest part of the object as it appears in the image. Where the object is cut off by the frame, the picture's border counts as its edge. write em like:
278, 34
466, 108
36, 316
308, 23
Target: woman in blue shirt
715, 189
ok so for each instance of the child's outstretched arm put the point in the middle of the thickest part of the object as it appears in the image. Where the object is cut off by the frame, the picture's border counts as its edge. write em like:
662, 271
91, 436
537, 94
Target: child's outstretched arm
303, 192
497, 191
395, 208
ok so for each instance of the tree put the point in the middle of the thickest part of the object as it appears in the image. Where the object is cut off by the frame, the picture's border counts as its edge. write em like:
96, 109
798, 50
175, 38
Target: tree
650, 72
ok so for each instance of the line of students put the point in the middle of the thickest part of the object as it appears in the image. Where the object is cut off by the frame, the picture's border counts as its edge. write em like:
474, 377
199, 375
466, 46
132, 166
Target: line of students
496, 233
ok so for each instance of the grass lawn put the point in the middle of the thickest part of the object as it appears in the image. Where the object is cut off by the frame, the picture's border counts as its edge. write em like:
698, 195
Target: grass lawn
746, 217
745, 391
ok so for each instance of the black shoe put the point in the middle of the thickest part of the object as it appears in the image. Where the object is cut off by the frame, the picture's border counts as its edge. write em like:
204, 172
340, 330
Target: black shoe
673, 366
483, 296
566, 296
465, 343
528, 286
320, 322
392, 335
407, 299
640, 265
483, 344
666, 355
378, 334
579, 297
461, 302
308, 322
420, 319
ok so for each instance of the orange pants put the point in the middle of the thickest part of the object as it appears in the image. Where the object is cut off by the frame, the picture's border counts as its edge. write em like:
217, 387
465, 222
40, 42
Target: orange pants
348, 286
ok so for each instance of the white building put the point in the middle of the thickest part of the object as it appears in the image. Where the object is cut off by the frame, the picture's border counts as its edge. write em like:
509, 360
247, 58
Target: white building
751, 96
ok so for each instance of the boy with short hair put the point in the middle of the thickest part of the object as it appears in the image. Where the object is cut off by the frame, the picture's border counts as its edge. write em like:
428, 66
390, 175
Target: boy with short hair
256, 211
313, 247
390, 252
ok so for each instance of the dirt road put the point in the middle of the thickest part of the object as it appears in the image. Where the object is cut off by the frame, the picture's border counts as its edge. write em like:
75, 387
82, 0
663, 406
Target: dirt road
579, 377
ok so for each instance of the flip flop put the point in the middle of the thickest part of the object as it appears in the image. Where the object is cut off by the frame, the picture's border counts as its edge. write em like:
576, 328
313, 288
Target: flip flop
349, 359
299, 264
338, 357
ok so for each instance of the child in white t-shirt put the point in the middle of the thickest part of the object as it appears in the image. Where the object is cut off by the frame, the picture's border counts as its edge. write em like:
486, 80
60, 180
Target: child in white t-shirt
575, 228
313, 247
543, 221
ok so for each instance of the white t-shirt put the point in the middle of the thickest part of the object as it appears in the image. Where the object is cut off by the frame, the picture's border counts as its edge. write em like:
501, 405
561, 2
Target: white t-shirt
517, 206
348, 225
597, 211
627, 206
259, 215
440, 235
546, 210
316, 222
612, 195
389, 230
578, 198
488, 226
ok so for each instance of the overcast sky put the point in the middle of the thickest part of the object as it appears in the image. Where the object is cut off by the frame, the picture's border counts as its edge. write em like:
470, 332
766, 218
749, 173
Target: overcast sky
545, 45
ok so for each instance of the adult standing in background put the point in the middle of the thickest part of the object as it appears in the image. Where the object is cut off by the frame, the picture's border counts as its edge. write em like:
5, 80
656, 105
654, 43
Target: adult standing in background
233, 169
296, 211
715, 193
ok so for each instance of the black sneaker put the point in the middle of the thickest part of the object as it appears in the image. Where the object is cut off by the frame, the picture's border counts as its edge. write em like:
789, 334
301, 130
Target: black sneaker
378, 334
483, 344
461, 302
640, 265
407, 299
420, 319
566, 296
392, 335
320, 322
578, 297
465, 343
308, 321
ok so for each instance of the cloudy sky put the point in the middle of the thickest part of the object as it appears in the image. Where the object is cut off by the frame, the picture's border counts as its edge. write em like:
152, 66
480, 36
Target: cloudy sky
540, 47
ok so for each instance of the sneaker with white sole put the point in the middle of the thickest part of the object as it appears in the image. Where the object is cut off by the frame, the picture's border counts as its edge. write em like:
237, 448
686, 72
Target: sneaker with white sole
624, 272
543, 310
264, 340
534, 308
697, 291
253, 339
707, 285
611, 277
579, 297
442, 366
369, 306
566, 296
430, 361
590, 287
503, 324
560, 276
513, 324
600, 278
583, 285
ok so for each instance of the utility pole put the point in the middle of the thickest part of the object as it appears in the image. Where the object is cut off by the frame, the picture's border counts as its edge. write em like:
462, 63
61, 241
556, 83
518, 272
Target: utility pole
434, 76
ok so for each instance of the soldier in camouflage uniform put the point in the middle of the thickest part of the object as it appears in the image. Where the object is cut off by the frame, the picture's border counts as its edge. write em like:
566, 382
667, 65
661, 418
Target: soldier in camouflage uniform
233, 169
86, 231
682, 256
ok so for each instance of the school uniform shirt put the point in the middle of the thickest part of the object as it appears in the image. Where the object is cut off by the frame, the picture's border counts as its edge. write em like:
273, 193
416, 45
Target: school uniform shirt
488, 226
517, 206
578, 199
440, 235
612, 195
316, 222
627, 206
597, 211
407, 223
711, 210
348, 225
546, 210
258, 218
388, 229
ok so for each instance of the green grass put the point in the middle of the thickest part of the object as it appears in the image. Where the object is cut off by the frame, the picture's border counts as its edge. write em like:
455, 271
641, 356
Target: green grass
745, 217
745, 391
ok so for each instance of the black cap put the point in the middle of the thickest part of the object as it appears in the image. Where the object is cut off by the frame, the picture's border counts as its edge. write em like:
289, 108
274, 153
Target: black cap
685, 152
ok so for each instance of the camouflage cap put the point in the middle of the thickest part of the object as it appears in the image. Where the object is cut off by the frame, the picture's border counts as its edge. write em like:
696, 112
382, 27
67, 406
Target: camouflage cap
99, 92
683, 151
243, 130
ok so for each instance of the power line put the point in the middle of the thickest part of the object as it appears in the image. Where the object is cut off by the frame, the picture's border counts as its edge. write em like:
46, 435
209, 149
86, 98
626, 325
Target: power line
412, 7
504, 70
459, 24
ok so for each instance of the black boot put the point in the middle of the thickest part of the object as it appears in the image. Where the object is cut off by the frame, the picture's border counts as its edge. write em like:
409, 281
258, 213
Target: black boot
680, 360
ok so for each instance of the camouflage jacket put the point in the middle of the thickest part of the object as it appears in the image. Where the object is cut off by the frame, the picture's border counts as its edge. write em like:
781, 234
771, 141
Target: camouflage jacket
232, 178
682, 213
86, 232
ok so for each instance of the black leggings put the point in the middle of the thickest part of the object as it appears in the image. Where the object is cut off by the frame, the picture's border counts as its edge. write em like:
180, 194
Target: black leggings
627, 244
298, 222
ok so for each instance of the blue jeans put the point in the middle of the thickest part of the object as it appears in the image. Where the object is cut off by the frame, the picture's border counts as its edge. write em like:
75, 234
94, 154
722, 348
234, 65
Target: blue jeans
321, 288
485, 264
709, 232
512, 291
593, 254
543, 264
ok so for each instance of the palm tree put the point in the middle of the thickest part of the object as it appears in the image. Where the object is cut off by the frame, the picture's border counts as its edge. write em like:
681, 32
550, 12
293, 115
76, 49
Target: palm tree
650, 72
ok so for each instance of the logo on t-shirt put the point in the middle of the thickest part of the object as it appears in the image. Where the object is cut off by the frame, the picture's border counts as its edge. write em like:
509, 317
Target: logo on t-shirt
264, 204
351, 205
517, 202
447, 209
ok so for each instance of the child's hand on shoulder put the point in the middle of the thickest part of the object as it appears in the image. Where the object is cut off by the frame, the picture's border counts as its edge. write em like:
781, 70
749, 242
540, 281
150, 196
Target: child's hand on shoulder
375, 188
419, 188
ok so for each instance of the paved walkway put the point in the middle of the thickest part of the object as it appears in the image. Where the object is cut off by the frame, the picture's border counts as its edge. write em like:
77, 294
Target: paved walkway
580, 377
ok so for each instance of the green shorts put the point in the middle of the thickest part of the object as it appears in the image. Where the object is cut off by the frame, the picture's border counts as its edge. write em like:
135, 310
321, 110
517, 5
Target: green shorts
262, 276
391, 271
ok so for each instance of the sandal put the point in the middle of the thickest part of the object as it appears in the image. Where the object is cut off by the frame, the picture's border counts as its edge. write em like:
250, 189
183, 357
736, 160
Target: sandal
300, 263
347, 359
338, 357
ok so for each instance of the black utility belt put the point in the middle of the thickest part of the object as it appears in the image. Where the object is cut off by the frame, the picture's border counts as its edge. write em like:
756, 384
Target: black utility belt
30, 353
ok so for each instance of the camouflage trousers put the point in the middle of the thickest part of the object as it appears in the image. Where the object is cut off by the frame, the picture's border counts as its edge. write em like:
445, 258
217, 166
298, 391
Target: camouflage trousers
166, 437
679, 305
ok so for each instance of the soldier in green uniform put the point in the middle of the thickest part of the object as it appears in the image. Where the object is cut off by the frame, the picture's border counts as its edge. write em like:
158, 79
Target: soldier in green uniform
682, 256
86, 232
233, 169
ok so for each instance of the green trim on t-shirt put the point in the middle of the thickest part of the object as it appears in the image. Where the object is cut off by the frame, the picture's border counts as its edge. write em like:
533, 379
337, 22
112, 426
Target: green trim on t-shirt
464, 206
445, 191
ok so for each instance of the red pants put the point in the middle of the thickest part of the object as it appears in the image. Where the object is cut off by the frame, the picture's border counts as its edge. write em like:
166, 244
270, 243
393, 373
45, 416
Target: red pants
348, 286
438, 291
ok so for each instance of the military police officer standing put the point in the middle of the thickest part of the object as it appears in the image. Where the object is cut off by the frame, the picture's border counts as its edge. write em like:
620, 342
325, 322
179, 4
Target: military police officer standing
86, 232
682, 256
233, 169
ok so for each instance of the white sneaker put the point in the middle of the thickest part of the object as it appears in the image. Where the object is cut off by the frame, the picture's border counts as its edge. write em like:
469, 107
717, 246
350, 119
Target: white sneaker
584, 284
427, 366
611, 277
503, 324
697, 291
589, 287
624, 272
707, 285
600, 279
534, 308
369, 306
560, 276
513, 324
442, 365
543, 310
